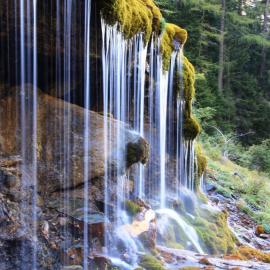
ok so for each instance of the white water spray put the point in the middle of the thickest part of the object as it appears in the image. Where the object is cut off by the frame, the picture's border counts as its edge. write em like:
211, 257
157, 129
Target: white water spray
190, 232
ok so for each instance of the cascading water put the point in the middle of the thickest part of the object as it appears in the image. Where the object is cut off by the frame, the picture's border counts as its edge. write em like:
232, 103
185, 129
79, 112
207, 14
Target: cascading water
86, 130
28, 121
137, 94
125, 65
187, 229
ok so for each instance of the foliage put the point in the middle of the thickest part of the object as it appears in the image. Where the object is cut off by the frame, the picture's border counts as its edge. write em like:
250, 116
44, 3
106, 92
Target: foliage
259, 156
244, 104
249, 187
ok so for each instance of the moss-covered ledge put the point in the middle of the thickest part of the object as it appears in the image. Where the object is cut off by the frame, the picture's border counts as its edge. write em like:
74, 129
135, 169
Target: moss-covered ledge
171, 34
133, 16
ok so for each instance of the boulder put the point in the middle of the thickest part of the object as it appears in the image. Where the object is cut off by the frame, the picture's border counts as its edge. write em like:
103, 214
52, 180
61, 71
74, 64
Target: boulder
60, 140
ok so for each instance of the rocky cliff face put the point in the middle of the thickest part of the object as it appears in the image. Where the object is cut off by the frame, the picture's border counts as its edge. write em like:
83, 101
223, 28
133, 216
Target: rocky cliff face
58, 120
60, 197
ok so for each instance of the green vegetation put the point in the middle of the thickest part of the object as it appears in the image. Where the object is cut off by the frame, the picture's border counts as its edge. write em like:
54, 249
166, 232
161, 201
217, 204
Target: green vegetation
250, 187
132, 208
202, 160
240, 101
214, 232
133, 16
149, 262
170, 34
192, 127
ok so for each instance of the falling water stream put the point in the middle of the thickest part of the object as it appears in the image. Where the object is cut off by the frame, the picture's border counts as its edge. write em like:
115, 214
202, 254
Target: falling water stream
138, 95
86, 129
125, 63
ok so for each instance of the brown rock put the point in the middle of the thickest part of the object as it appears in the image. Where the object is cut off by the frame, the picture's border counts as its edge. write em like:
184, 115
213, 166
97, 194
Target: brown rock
259, 230
58, 122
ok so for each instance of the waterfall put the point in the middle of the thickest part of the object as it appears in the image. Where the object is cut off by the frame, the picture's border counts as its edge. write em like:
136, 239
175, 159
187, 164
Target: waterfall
180, 103
189, 165
139, 99
189, 231
35, 146
86, 129
28, 121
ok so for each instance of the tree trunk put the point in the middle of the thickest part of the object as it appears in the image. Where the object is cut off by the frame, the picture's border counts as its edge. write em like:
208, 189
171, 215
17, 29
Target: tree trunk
221, 46
265, 33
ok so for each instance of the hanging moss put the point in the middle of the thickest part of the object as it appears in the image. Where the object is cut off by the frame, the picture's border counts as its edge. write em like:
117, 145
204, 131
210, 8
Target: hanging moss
201, 160
191, 128
189, 83
171, 34
133, 16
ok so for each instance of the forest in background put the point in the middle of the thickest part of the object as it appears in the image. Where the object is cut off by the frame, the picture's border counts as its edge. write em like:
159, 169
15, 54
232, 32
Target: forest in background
229, 45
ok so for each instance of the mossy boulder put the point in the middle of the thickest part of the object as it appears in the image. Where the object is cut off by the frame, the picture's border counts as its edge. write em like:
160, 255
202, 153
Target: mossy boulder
133, 16
191, 128
215, 233
172, 37
132, 207
137, 152
149, 262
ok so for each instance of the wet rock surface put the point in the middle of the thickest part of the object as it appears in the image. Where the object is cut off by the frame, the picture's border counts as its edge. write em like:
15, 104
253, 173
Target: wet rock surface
50, 223
60, 133
242, 225
183, 258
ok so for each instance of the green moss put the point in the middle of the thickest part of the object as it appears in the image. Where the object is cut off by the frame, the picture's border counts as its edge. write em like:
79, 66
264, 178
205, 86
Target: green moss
201, 160
132, 208
133, 16
189, 83
170, 34
149, 262
192, 128
215, 234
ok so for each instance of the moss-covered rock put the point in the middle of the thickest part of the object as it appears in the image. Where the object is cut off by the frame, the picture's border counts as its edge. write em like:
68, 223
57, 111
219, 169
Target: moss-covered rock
149, 262
201, 162
215, 233
133, 16
132, 208
189, 83
191, 128
172, 35
249, 253
137, 152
